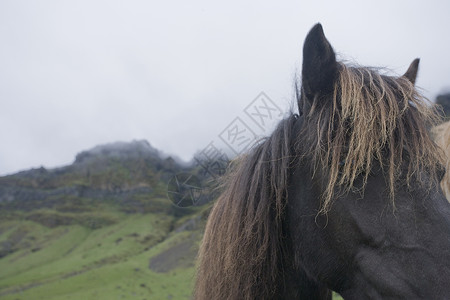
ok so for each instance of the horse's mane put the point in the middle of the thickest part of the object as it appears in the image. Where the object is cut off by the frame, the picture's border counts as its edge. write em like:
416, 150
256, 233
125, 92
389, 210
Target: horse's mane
371, 117
241, 255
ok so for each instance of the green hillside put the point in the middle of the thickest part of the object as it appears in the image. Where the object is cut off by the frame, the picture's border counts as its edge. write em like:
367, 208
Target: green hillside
139, 256
100, 228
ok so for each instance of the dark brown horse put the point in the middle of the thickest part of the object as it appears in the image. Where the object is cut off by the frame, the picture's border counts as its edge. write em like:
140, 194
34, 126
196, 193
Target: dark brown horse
344, 197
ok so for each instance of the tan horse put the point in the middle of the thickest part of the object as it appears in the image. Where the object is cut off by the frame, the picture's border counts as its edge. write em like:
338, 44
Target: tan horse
442, 137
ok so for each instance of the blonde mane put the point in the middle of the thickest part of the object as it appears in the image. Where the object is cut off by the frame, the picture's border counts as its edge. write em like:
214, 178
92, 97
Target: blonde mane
442, 137
372, 117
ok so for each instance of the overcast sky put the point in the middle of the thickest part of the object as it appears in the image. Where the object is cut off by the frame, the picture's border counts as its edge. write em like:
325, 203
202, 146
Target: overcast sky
75, 74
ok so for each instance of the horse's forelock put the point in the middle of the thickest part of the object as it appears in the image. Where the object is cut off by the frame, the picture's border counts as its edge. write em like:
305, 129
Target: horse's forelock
371, 116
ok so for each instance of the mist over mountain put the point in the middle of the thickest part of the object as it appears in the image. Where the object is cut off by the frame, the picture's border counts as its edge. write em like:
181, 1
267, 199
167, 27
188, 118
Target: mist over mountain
120, 150
131, 174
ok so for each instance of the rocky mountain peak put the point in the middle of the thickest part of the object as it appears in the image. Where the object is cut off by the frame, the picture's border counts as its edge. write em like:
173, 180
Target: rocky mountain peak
120, 150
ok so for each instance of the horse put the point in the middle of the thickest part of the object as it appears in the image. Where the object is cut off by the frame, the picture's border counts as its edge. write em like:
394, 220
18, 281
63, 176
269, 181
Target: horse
442, 138
343, 196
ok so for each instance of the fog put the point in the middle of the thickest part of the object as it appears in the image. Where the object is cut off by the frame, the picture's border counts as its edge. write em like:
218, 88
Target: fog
77, 74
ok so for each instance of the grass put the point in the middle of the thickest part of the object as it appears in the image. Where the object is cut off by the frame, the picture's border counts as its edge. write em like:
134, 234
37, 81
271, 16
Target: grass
78, 262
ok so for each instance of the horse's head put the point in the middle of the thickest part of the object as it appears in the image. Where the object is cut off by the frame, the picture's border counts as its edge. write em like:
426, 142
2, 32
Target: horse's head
343, 197
364, 196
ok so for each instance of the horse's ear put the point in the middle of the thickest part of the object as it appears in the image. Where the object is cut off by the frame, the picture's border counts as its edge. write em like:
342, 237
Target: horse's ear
319, 69
411, 73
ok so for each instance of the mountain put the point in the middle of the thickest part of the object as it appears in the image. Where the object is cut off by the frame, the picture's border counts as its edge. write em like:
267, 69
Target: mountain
100, 228
123, 173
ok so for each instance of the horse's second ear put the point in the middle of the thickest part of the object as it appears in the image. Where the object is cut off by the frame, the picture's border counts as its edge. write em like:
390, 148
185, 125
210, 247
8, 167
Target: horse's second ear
319, 69
411, 73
